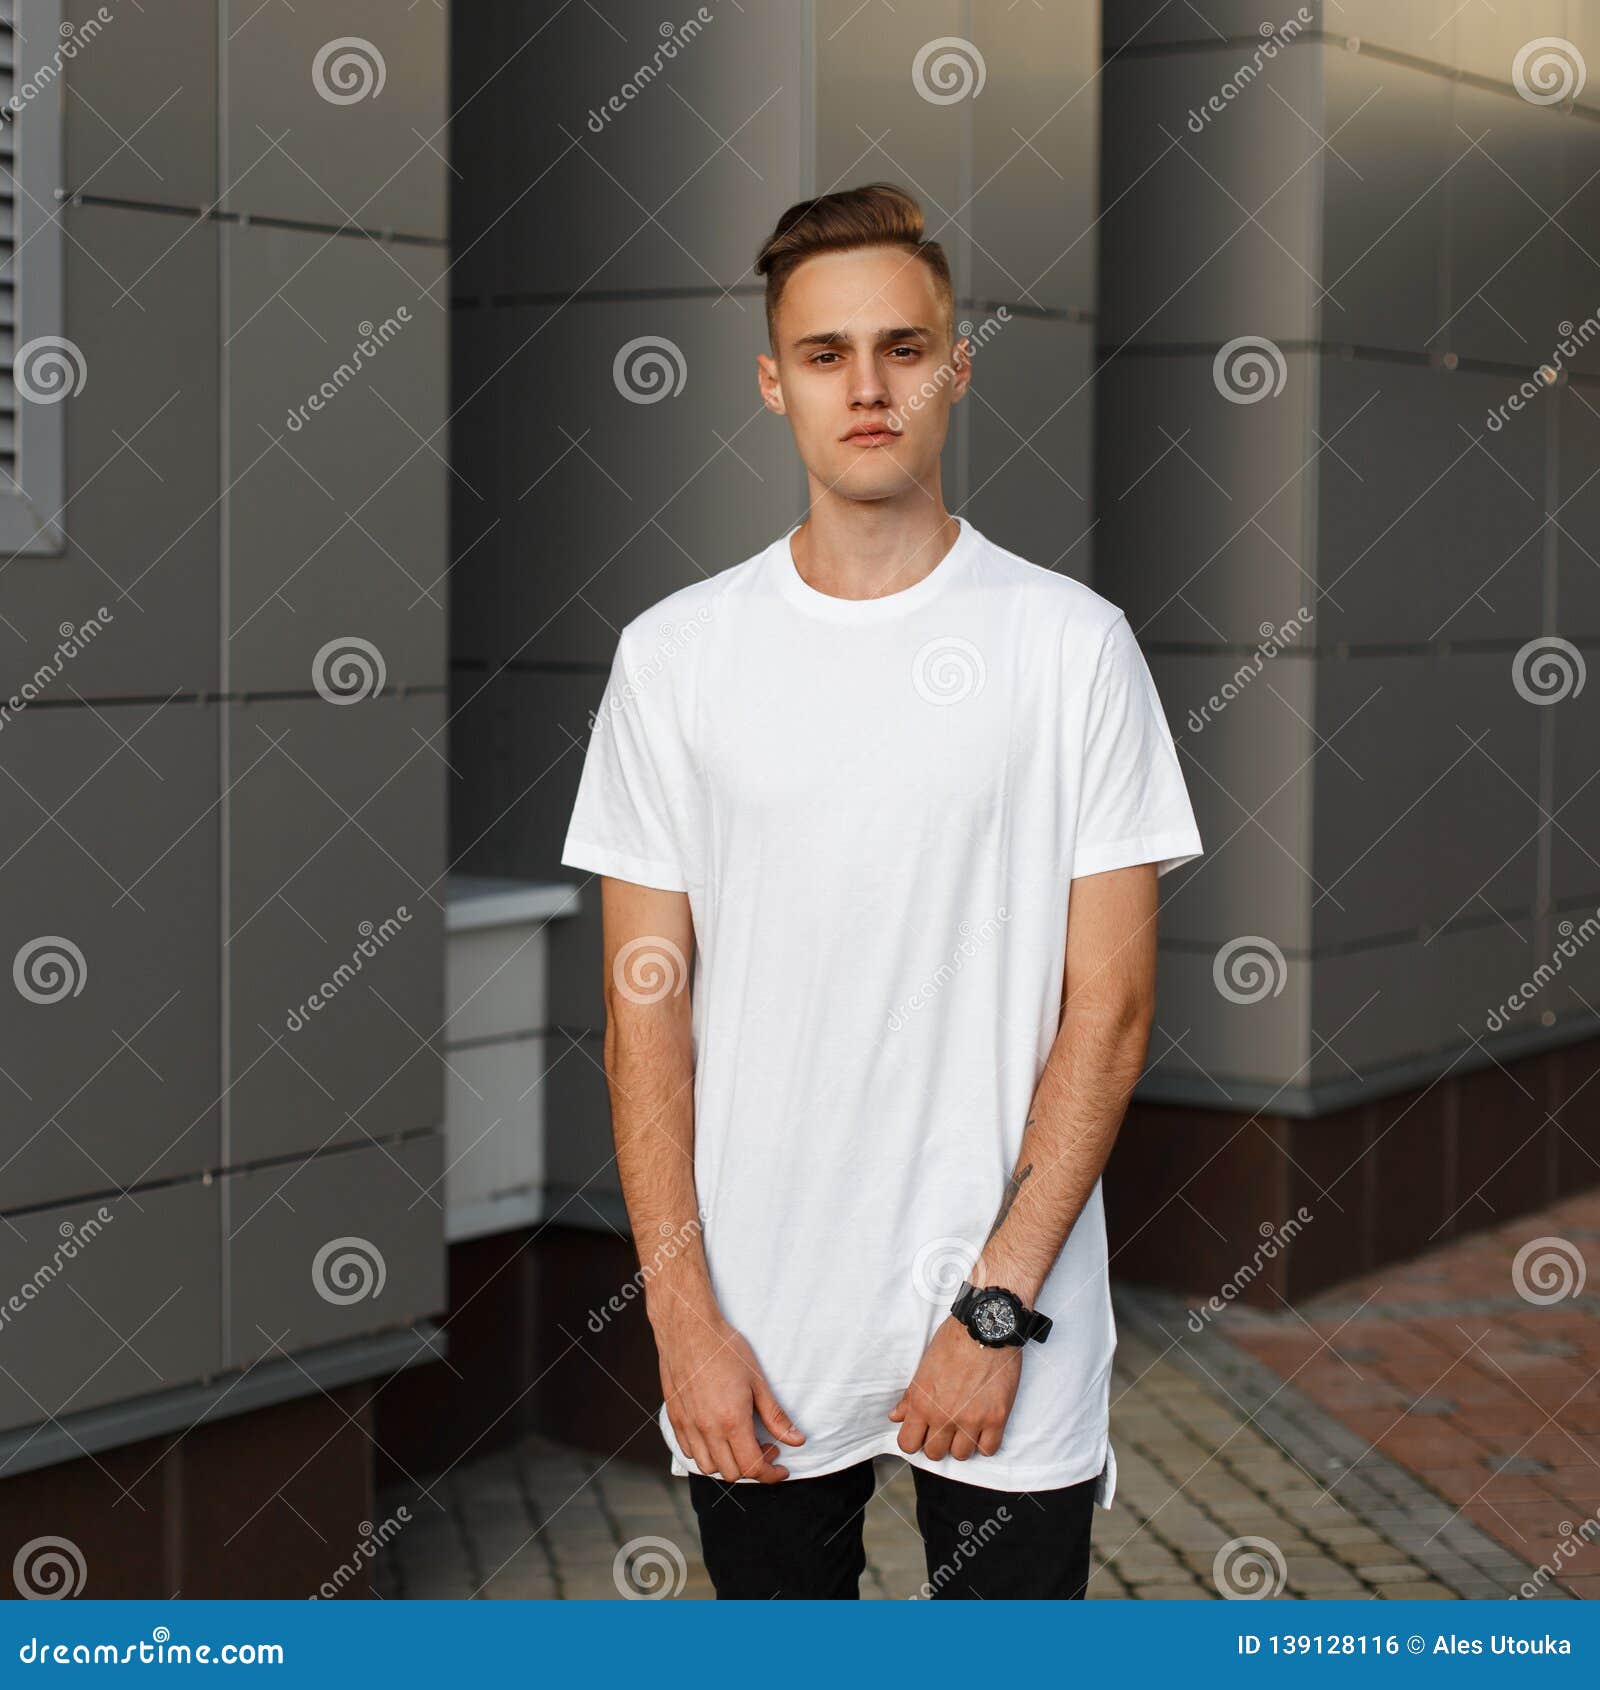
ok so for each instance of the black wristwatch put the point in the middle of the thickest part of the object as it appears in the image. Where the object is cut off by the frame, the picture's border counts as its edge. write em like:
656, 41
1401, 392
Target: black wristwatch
997, 1317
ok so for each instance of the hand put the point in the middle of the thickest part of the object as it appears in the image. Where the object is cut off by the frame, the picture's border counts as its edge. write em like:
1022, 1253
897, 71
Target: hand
961, 1397
713, 1386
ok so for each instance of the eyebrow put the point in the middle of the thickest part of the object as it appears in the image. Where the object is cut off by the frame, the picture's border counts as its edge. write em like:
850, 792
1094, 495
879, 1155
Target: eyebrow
838, 337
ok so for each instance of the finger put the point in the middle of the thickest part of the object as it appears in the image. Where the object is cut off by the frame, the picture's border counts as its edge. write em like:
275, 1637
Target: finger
938, 1445
989, 1439
727, 1462
898, 1412
772, 1415
961, 1446
753, 1464
701, 1454
914, 1430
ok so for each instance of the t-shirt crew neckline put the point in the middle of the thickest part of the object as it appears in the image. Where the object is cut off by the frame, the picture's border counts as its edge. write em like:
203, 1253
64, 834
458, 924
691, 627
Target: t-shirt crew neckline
799, 592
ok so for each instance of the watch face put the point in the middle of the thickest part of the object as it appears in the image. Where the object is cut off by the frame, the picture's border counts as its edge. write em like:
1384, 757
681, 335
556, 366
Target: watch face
994, 1318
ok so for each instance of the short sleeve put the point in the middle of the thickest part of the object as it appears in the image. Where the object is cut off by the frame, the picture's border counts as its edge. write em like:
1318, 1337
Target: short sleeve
1133, 804
633, 782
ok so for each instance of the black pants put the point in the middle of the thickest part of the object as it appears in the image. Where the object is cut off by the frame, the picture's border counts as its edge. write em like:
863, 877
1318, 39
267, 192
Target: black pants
801, 1538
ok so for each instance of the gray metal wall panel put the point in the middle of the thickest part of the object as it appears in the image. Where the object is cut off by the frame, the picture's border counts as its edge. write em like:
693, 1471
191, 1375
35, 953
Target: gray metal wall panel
139, 514
873, 124
1510, 258
1036, 155
374, 154
1132, 23
1577, 538
1215, 234
1245, 757
334, 1246
1204, 505
136, 1308
108, 841
613, 503
337, 819
1429, 520
141, 103
1387, 177
1031, 482
338, 526
673, 190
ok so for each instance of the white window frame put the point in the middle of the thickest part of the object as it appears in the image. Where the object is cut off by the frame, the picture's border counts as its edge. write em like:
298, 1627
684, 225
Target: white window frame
30, 512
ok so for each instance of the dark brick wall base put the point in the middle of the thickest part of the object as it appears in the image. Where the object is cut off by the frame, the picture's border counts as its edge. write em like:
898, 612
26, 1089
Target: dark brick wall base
269, 1504
1191, 1193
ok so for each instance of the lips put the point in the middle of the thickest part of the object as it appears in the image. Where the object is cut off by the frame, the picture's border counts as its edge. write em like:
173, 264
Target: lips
872, 436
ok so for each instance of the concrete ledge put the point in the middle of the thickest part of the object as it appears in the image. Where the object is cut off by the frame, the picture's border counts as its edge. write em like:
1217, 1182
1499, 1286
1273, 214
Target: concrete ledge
267, 1383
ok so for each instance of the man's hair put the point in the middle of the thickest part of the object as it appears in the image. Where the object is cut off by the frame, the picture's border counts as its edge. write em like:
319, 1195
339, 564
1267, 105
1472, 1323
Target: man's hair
877, 214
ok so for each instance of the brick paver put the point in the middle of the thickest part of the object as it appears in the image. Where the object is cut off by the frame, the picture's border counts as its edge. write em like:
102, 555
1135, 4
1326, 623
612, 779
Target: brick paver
1230, 1480
1477, 1369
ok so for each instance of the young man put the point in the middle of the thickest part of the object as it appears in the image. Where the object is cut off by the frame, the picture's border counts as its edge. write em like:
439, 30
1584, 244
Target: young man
855, 781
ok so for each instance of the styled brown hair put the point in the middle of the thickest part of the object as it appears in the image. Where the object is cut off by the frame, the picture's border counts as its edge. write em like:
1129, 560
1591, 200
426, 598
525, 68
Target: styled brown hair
877, 214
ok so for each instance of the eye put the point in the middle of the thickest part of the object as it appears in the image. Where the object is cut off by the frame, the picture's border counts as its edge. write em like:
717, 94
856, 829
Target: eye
821, 355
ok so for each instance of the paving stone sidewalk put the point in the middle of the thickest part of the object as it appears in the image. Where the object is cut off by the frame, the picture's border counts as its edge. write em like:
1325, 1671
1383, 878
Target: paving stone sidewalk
1230, 1481
1477, 1369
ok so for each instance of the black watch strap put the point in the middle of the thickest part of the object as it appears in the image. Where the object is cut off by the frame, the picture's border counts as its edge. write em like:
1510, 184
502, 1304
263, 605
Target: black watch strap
1032, 1325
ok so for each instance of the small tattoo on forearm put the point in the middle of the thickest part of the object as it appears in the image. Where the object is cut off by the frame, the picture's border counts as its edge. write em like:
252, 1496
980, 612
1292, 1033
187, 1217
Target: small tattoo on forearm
1013, 1186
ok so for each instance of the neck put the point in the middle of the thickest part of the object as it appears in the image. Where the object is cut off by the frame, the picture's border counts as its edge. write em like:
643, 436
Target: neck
865, 549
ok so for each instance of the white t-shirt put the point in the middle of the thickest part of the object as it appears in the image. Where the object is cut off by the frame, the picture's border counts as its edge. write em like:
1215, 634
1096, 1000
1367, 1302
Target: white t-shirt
876, 808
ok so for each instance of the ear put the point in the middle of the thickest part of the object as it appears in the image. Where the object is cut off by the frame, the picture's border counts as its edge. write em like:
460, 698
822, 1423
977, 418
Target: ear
961, 365
771, 386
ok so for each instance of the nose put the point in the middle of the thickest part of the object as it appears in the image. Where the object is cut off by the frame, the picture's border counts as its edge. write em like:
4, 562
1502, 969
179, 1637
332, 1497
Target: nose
868, 389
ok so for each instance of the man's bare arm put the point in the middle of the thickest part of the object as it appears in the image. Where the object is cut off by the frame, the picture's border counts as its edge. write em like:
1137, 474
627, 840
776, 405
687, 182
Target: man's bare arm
961, 1397
709, 1376
1091, 1071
